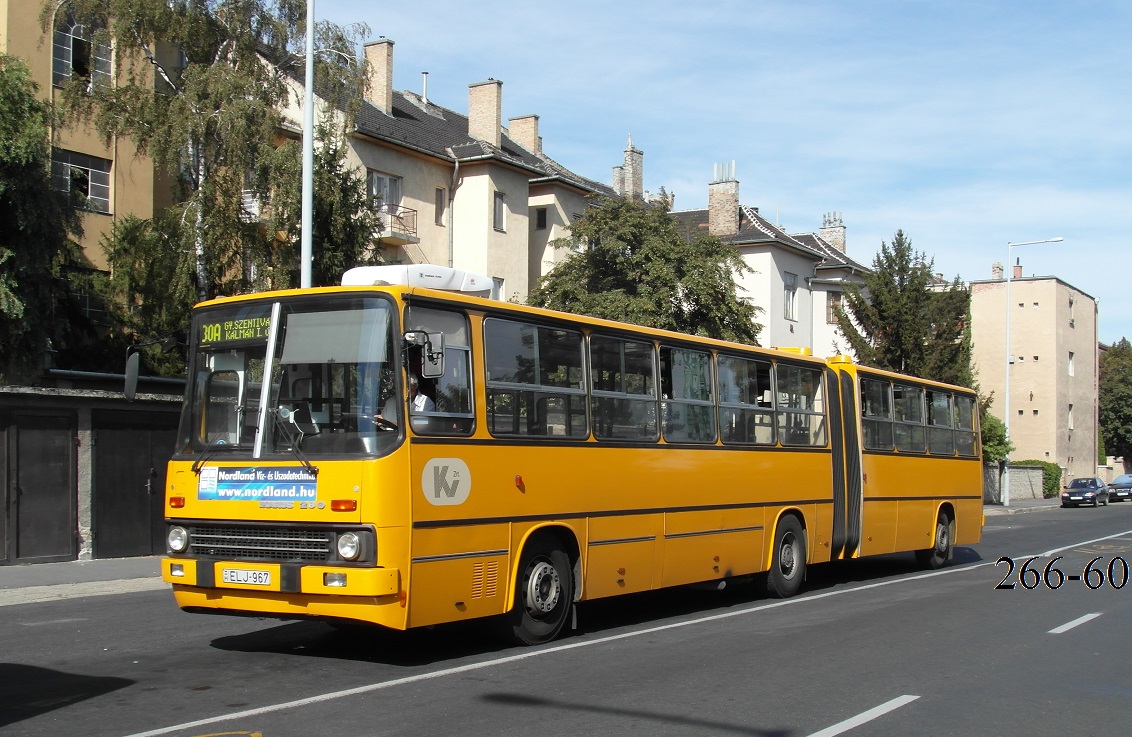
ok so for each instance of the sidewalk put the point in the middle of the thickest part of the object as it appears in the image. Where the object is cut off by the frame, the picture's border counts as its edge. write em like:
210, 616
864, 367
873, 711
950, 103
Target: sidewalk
28, 584
39, 582
1018, 506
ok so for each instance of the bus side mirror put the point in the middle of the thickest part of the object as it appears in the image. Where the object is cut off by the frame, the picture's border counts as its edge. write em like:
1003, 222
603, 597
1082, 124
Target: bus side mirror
432, 355
131, 389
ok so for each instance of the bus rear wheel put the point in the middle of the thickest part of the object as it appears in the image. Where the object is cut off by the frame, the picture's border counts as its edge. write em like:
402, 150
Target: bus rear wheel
940, 552
788, 563
544, 595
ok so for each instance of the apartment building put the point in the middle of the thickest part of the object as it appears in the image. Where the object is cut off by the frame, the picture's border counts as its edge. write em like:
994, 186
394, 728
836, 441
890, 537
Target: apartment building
111, 178
462, 189
795, 279
1053, 365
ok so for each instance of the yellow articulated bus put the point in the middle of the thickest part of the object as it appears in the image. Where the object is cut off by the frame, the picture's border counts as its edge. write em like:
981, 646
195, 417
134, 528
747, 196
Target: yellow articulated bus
389, 453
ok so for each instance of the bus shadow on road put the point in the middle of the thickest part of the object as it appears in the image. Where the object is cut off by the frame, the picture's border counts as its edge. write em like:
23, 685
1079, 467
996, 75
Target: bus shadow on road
368, 643
425, 646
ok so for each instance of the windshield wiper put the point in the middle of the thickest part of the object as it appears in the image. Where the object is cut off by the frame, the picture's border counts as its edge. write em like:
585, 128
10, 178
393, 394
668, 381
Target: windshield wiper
209, 450
295, 442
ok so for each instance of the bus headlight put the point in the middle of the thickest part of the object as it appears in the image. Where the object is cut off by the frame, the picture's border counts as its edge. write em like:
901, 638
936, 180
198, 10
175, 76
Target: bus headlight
349, 546
178, 539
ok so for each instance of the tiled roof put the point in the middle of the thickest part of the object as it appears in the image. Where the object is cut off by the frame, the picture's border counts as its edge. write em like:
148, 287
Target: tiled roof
437, 131
833, 257
754, 229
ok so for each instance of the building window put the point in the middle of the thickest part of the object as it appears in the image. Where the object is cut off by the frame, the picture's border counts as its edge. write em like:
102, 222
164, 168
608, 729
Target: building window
85, 178
540, 218
441, 204
790, 294
833, 306
74, 56
1070, 363
384, 191
499, 213
1070, 418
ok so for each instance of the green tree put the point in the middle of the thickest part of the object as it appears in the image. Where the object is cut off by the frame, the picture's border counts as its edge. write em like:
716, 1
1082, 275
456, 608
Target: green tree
901, 321
1116, 400
209, 114
631, 263
37, 232
996, 447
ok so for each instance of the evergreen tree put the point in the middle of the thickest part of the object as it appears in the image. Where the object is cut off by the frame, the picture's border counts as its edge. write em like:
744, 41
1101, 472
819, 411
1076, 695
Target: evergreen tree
898, 321
213, 122
631, 263
1116, 400
37, 231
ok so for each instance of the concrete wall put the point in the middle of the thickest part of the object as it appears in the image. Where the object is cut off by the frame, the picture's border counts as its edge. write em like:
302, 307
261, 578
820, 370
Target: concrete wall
1025, 483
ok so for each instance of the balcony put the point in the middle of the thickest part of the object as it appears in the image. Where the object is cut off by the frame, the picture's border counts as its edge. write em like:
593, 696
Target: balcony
398, 226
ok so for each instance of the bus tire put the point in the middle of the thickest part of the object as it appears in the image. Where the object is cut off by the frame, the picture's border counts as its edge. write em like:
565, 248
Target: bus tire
788, 560
940, 552
544, 594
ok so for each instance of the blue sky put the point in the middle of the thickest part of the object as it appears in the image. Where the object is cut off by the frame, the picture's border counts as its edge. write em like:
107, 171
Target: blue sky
967, 125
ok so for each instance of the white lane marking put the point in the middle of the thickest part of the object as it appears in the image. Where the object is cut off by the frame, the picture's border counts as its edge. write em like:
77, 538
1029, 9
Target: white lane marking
865, 716
36, 594
1087, 542
382, 685
54, 621
1070, 625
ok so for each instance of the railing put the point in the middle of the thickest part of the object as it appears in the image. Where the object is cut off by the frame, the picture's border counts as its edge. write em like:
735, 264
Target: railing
398, 224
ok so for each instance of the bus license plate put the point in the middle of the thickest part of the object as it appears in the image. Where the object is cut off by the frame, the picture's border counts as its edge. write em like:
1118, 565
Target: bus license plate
250, 578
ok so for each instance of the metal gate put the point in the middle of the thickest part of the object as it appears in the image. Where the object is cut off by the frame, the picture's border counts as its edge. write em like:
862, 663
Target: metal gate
41, 501
131, 451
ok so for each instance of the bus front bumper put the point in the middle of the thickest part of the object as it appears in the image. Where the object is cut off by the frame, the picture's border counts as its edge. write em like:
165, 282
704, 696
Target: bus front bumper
288, 578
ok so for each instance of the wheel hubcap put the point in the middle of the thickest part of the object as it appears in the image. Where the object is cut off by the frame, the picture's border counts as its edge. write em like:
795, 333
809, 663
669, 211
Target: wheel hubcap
941, 539
787, 563
543, 588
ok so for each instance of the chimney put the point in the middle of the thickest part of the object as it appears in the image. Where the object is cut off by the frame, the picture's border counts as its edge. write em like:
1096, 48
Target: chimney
485, 110
723, 201
524, 131
996, 271
379, 86
1017, 269
619, 180
633, 172
833, 230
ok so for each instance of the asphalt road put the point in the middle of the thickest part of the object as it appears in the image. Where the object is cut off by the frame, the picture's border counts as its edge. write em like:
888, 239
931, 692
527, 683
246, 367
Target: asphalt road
872, 647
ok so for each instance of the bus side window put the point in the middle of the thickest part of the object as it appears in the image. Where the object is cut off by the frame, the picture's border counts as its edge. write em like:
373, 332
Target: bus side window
801, 406
451, 410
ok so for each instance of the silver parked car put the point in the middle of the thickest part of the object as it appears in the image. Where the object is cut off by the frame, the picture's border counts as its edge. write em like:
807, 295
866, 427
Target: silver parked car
1080, 491
1120, 488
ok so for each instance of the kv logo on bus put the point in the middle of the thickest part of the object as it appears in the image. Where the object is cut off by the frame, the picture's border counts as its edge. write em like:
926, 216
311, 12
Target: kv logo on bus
446, 481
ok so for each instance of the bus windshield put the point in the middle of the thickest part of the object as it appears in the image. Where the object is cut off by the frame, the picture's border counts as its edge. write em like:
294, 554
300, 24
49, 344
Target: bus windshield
331, 369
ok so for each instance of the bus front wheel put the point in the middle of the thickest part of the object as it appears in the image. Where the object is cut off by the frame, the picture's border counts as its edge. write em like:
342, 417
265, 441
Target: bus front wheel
544, 595
940, 552
788, 563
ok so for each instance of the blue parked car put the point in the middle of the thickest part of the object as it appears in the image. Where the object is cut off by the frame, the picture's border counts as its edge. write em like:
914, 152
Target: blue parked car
1090, 491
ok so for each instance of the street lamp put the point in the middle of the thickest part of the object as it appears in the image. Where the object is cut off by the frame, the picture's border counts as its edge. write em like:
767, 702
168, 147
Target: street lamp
307, 206
1006, 390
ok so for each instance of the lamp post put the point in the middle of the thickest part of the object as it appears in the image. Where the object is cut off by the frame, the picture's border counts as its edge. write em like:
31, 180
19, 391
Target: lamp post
307, 208
1006, 383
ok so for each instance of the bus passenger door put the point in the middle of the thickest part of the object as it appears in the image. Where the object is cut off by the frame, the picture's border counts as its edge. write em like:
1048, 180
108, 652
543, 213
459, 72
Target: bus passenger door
854, 484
